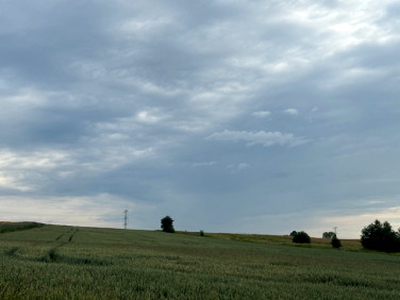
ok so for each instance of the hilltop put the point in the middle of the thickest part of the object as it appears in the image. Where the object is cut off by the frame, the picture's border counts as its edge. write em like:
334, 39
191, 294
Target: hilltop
348, 244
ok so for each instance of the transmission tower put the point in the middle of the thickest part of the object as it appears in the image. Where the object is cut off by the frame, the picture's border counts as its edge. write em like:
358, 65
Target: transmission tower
125, 218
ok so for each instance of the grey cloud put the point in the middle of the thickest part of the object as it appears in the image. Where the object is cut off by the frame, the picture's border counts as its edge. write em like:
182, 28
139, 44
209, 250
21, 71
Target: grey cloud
204, 164
267, 139
261, 114
243, 166
291, 111
131, 100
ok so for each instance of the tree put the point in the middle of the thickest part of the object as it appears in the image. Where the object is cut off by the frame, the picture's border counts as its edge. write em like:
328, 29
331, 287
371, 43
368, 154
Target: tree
293, 233
336, 242
166, 224
301, 238
380, 236
328, 235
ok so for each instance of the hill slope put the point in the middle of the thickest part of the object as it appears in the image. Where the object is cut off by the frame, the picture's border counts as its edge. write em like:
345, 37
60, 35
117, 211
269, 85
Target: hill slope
65, 262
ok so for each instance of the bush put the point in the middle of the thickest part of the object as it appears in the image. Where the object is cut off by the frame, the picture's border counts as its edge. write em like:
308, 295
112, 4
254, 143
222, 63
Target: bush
336, 242
380, 236
201, 233
166, 224
52, 254
301, 238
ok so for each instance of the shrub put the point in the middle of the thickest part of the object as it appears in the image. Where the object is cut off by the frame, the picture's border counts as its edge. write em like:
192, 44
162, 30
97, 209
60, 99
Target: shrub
167, 224
336, 242
52, 254
380, 236
201, 233
301, 238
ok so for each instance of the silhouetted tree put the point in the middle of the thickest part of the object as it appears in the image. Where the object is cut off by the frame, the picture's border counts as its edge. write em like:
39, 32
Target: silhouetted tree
293, 233
328, 235
167, 224
336, 242
301, 238
380, 236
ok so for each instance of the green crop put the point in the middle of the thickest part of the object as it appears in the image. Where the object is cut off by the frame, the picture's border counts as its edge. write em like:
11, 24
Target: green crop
60, 262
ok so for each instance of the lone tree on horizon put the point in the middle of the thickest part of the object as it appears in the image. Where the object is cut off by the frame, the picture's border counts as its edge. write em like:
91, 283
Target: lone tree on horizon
167, 224
301, 237
335, 242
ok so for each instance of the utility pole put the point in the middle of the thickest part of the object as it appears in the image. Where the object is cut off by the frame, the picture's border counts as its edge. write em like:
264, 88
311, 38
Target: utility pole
125, 218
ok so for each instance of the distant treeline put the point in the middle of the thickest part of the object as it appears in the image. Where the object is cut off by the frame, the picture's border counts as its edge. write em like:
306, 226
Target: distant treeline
9, 227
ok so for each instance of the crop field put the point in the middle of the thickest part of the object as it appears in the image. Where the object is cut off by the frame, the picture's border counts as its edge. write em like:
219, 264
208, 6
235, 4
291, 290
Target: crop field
60, 262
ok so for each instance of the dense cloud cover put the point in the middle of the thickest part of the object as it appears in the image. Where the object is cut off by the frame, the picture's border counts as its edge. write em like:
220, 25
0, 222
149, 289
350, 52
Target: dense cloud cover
240, 116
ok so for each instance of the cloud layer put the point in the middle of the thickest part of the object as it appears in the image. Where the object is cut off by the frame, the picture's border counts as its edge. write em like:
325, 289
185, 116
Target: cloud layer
210, 112
267, 139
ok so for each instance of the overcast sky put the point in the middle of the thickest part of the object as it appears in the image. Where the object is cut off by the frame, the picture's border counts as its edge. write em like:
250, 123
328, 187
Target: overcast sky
229, 116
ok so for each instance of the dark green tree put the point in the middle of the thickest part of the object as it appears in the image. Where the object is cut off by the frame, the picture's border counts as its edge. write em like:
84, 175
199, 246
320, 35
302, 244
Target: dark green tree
328, 235
301, 238
336, 242
167, 224
380, 236
293, 233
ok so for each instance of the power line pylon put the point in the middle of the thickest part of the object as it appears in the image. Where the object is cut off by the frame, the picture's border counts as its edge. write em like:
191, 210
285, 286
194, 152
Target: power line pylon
125, 218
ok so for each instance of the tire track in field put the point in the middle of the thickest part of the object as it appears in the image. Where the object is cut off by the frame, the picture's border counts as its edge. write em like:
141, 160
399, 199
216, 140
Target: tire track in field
51, 255
72, 232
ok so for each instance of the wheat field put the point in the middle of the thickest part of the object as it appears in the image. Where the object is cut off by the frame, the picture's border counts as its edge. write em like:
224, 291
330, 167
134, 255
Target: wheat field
62, 262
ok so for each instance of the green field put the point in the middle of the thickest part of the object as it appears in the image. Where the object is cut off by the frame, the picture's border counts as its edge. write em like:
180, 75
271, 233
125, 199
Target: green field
59, 262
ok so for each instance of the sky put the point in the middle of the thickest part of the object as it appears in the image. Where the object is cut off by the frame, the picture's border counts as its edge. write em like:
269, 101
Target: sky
229, 116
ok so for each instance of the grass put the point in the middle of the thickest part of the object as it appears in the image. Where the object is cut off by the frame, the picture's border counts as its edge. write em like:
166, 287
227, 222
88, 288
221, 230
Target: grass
46, 263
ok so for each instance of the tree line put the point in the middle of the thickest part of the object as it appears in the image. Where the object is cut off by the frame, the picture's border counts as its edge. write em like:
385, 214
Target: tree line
376, 236
381, 237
